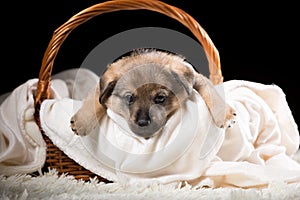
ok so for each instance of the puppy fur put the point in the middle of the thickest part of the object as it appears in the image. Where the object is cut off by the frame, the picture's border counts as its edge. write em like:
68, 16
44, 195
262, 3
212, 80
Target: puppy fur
146, 88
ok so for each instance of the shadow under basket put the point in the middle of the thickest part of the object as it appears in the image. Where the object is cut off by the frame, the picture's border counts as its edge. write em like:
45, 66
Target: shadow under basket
57, 159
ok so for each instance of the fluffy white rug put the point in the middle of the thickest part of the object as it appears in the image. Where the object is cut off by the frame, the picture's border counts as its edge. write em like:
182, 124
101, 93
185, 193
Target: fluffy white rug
52, 186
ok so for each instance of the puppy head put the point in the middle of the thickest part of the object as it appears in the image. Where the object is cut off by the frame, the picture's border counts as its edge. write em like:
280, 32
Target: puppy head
146, 89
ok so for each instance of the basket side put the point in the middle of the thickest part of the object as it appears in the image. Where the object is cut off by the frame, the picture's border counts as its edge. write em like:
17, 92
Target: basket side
58, 160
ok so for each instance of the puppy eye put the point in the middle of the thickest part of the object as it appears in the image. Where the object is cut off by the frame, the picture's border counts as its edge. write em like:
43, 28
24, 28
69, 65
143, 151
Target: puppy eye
159, 99
129, 98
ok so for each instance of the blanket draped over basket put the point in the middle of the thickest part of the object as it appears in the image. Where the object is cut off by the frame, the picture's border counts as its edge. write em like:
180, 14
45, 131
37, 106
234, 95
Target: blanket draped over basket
256, 151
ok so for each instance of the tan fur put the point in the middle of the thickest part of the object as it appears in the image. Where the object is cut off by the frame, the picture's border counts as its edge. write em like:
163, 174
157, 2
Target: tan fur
144, 75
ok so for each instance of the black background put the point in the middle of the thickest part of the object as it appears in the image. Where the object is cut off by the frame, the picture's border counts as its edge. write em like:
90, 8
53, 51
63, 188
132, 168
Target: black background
256, 41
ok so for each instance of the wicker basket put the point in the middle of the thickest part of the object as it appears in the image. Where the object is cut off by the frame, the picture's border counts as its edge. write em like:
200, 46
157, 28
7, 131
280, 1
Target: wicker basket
55, 157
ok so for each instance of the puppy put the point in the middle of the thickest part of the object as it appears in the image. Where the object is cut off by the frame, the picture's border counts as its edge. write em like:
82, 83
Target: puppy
146, 88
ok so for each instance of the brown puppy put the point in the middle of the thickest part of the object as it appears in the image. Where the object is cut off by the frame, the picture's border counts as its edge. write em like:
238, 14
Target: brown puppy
146, 88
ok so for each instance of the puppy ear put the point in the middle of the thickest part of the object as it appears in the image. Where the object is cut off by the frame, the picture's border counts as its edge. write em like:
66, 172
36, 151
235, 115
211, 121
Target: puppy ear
185, 76
106, 90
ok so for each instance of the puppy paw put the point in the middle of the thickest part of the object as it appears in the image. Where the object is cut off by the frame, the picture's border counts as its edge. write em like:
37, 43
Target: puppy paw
230, 118
79, 127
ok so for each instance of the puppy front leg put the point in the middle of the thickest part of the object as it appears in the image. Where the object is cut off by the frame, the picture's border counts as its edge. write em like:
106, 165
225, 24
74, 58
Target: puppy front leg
89, 115
222, 114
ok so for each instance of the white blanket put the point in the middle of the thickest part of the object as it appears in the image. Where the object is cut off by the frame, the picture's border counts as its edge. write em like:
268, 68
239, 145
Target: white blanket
22, 148
253, 153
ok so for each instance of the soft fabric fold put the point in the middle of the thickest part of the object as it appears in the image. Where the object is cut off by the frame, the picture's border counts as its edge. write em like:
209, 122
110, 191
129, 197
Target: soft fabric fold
22, 148
257, 150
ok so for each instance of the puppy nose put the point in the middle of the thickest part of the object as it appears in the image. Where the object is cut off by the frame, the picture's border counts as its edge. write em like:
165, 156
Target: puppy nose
142, 118
143, 122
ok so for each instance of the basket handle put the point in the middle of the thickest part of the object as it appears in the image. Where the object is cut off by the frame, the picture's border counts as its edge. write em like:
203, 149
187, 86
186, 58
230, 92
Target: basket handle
60, 34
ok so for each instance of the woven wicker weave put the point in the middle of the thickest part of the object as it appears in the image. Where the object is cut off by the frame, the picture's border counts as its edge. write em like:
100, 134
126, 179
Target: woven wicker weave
55, 157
